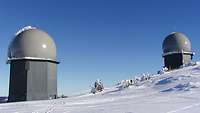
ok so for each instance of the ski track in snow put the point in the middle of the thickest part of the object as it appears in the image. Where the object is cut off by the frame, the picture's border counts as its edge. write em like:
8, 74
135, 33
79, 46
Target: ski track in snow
184, 108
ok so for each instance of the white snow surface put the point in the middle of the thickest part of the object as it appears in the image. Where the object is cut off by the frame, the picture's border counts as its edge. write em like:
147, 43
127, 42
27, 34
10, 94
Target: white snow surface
176, 91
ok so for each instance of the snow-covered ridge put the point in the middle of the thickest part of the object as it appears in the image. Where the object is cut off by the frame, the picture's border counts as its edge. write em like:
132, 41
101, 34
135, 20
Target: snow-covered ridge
176, 91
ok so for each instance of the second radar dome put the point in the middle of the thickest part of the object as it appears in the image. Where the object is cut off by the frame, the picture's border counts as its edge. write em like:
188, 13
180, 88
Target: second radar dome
176, 42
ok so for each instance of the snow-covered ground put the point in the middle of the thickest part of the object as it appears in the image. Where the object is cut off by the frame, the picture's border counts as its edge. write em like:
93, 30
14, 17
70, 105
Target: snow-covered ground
177, 91
3, 99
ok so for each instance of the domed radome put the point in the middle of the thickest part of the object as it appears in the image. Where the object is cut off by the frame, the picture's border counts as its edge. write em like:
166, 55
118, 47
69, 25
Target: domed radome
176, 51
33, 66
32, 43
176, 42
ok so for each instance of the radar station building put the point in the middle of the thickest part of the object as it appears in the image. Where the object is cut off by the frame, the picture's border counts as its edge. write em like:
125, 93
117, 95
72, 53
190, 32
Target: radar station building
176, 50
33, 66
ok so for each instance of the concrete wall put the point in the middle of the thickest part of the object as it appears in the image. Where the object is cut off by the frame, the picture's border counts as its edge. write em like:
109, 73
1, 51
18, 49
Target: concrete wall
36, 80
18, 81
174, 61
33, 80
52, 80
187, 59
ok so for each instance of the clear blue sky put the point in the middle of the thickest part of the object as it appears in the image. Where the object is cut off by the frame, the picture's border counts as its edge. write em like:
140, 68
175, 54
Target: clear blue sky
107, 39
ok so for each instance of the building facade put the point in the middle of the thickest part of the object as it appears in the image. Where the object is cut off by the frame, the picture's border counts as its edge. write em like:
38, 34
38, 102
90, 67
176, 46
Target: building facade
33, 66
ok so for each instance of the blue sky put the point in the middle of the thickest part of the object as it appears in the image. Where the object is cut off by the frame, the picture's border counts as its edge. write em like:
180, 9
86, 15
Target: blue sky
107, 39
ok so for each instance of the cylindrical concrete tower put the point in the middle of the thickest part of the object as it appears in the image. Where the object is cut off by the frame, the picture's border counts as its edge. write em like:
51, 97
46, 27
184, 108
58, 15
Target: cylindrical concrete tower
176, 50
33, 66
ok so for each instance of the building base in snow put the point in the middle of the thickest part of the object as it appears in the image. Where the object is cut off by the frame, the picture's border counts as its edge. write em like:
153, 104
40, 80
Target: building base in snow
32, 80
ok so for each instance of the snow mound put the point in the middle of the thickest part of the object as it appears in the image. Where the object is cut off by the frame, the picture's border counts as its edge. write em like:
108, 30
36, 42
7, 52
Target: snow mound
183, 87
166, 81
